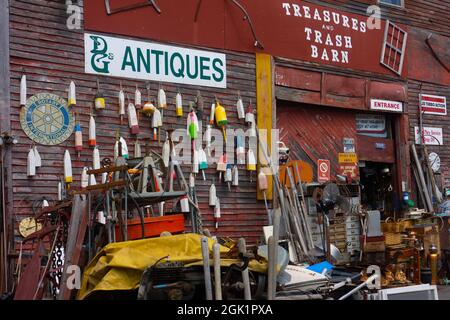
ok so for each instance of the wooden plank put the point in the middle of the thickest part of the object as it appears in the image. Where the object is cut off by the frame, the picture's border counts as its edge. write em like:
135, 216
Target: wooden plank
264, 112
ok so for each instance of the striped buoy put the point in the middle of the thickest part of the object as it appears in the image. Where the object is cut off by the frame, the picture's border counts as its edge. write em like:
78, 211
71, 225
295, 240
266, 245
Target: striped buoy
78, 139
31, 163
251, 160
203, 162
132, 119
179, 105
67, 167
92, 134
23, 90
156, 123
72, 100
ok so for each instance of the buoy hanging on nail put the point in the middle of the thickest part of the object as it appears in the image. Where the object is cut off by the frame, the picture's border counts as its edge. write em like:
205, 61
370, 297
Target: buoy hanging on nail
99, 100
96, 158
184, 204
84, 178
124, 148
60, 192
217, 214
251, 162
92, 132
208, 139
179, 105
221, 118
235, 174
45, 203
132, 119
37, 157
195, 162
92, 180
23, 90
137, 149
249, 116
240, 107
67, 167
222, 165
148, 108
31, 163
166, 152
203, 162
72, 100
212, 195
199, 106
156, 123
121, 104
78, 138
213, 112
228, 176
162, 101
137, 100
240, 149
192, 126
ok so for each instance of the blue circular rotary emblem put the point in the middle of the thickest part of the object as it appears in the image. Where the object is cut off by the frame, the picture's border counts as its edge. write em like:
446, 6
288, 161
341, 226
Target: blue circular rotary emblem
46, 119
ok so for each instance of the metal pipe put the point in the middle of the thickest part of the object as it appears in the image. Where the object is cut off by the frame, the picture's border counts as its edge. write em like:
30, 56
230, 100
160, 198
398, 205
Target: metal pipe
428, 203
245, 276
348, 294
217, 275
206, 268
271, 273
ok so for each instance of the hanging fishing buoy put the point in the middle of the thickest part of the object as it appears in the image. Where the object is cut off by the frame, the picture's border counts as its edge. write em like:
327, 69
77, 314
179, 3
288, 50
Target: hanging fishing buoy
137, 149
252, 130
60, 191
23, 90
37, 157
222, 165
92, 180
78, 137
184, 204
132, 119
235, 174
221, 118
45, 203
96, 158
217, 213
92, 132
213, 112
250, 116
240, 107
67, 167
208, 139
156, 123
212, 195
179, 105
192, 125
228, 176
240, 149
104, 177
137, 101
195, 162
71, 100
166, 152
149, 108
121, 104
124, 148
99, 100
84, 178
31, 163
203, 162
251, 162
162, 101
199, 105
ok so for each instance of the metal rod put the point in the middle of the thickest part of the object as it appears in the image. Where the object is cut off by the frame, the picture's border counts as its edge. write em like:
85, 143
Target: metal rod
271, 273
370, 279
245, 276
206, 267
423, 184
217, 275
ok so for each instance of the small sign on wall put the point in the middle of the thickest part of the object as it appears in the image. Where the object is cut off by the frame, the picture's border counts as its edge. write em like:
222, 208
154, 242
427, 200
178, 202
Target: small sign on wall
433, 104
323, 170
386, 105
431, 136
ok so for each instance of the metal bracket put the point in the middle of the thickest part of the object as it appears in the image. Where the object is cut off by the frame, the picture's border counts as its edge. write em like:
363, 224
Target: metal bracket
131, 7
257, 43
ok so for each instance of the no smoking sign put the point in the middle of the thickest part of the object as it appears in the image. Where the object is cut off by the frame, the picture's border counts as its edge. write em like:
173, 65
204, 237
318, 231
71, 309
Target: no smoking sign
323, 170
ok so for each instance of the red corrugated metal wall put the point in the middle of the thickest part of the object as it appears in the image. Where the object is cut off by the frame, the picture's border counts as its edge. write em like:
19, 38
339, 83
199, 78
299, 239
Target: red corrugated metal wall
51, 55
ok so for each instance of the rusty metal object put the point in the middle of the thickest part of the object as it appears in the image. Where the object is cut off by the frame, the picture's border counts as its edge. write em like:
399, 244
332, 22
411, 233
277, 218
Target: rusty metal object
110, 11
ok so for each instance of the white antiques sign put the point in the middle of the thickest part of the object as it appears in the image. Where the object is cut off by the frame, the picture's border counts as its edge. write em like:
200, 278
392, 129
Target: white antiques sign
433, 104
386, 105
143, 60
431, 136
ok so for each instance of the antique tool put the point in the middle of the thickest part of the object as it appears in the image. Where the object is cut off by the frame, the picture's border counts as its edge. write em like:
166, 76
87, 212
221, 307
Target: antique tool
99, 100
206, 267
137, 101
37, 157
217, 213
78, 137
240, 107
67, 167
121, 103
71, 100
235, 174
228, 176
133, 6
28, 226
222, 165
178, 105
217, 273
245, 276
84, 178
221, 118
23, 90
240, 149
203, 162
92, 134
132, 119
251, 163
212, 195
31, 163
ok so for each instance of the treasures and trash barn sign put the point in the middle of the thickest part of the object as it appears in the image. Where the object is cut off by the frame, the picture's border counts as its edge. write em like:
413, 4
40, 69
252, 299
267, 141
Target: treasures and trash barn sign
296, 29
151, 61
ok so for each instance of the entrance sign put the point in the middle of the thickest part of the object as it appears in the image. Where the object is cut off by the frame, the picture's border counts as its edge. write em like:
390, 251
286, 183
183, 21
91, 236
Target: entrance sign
46, 119
431, 136
323, 170
386, 105
433, 104
117, 57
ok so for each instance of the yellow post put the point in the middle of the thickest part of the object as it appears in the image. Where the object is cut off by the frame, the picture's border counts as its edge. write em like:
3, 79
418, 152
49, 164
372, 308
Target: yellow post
264, 96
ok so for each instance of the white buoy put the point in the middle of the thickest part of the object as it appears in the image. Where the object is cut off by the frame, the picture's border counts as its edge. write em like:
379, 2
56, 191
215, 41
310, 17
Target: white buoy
45, 203
195, 162
166, 153
208, 139
59, 191
72, 100
179, 105
23, 90
156, 123
184, 203
235, 174
212, 195
213, 111
121, 104
124, 149
104, 177
84, 178
250, 116
162, 101
92, 134
217, 212
67, 167
228, 176
37, 157
137, 98
137, 149
132, 119
31, 163
240, 108
92, 180
96, 158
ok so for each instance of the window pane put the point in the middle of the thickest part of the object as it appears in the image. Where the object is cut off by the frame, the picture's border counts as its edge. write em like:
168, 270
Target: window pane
396, 2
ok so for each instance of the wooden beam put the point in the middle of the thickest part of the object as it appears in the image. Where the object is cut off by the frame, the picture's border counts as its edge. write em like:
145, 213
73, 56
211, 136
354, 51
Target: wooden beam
264, 101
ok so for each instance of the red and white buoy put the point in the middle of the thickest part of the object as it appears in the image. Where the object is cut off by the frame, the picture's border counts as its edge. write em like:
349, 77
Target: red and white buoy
132, 119
92, 132
121, 104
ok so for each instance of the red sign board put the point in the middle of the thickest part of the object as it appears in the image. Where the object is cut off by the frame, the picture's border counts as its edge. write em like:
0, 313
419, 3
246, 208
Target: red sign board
292, 29
349, 170
323, 170
433, 104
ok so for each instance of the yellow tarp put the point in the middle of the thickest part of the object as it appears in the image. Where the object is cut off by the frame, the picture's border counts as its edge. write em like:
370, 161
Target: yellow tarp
119, 266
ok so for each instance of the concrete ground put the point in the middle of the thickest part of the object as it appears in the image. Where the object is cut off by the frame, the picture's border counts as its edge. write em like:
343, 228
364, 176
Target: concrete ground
444, 292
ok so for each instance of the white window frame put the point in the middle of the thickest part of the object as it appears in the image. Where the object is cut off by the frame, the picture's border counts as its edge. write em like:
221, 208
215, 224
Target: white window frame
401, 5
401, 51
